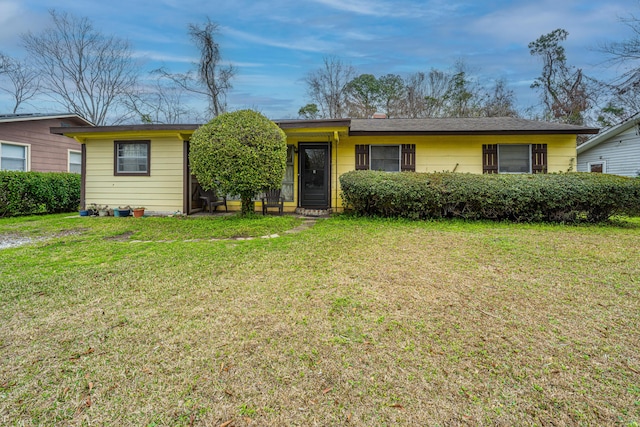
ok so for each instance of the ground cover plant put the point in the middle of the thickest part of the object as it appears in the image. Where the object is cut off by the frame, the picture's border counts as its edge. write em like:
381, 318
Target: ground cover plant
354, 321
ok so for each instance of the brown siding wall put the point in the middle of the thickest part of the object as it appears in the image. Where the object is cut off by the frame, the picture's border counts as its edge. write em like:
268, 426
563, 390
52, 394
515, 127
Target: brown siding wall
48, 152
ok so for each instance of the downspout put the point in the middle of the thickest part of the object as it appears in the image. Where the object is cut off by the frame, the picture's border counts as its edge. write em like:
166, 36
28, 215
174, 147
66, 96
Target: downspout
336, 137
83, 171
83, 177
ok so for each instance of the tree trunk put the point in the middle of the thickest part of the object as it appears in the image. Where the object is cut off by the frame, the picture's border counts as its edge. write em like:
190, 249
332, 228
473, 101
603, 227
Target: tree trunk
248, 206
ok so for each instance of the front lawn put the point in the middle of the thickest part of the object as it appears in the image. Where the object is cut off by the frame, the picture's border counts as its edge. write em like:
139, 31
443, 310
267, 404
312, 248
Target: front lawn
169, 321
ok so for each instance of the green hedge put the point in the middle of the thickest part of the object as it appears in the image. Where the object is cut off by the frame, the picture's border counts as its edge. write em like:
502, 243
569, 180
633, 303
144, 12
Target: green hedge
523, 198
26, 193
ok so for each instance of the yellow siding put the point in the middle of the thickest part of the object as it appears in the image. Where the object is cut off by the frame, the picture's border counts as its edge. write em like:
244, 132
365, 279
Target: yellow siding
163, 190
462, 153
159, 192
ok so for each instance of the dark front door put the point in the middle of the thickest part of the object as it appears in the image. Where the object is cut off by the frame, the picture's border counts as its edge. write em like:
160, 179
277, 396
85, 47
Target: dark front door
314, 175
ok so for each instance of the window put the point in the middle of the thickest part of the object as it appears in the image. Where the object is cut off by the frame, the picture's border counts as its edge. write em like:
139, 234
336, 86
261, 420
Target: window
597, 167
13, 157
132, 158
287, 182
385, 158
389, 158
514, 158
75, 161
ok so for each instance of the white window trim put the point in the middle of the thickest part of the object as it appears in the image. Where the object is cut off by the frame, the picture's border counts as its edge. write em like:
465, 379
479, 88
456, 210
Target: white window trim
599, 162
21, 144
516, 173
398, 146
69, 151
116, 172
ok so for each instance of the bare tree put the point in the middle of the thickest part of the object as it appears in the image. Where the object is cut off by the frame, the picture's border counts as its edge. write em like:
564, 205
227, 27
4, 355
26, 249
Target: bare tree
87, 72
437, 86
214, 77
327, 87
564, 89
500, 101
22, 81
623, 92
4, 63
413, 103
210, 79
161, 102
626, 53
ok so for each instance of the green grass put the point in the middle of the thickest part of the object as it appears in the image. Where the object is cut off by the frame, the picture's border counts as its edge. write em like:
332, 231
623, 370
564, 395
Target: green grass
167, 321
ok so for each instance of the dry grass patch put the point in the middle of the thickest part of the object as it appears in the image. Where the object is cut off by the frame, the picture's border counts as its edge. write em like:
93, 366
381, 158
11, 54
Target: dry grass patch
357, 322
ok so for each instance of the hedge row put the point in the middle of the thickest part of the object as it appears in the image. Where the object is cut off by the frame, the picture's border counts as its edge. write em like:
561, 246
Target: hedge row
26, 193
541, 197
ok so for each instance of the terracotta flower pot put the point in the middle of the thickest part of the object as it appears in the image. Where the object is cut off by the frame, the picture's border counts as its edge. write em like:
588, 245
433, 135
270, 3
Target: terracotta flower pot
138, 212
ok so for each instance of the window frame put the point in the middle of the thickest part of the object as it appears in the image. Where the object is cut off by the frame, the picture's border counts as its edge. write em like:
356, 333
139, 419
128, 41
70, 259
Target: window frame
27, 155
602, 163
371, 159
116, 145
290, 166
69, 153
529, 158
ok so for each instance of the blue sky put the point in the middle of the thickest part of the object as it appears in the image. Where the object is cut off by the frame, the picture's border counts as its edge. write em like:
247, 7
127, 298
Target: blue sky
274, 44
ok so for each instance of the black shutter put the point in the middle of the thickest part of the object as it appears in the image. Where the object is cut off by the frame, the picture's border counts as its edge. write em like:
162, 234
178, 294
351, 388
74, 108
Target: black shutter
408, 158
539, 158
490, 158
362, 157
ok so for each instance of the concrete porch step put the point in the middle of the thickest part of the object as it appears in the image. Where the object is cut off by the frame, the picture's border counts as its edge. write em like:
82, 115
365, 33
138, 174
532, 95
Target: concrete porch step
313, 212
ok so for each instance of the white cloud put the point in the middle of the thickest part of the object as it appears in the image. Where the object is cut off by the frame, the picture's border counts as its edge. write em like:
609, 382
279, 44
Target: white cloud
306, 44
389, 9
523, 23
163, 57
13, 22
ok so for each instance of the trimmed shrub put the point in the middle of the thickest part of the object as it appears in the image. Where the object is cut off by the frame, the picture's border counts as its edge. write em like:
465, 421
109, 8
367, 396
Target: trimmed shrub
239, 154
523, 198
26, 193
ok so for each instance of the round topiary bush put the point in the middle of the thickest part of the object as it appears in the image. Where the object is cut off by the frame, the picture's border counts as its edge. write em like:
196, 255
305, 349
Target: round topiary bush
239, 154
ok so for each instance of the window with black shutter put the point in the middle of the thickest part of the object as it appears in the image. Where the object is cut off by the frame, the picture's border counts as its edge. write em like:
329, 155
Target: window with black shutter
514, 158
490, 158
389, 158
362, 157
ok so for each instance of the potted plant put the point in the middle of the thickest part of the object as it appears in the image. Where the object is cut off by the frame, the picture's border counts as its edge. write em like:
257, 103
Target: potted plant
103, 210
124, 211
138, 212
92, 209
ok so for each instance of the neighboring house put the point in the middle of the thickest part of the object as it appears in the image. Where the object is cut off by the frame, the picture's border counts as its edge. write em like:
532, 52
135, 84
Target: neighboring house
615, 151
148, 165
26, 143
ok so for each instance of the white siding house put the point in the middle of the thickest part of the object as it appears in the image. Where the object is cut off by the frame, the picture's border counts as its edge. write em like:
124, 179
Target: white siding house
615, 151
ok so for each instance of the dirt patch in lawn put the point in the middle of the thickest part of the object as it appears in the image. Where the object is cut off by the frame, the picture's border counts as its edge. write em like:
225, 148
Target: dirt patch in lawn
120, 237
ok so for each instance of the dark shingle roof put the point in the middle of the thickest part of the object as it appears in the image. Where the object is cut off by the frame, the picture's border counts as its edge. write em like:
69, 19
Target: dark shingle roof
23, 117
462, 126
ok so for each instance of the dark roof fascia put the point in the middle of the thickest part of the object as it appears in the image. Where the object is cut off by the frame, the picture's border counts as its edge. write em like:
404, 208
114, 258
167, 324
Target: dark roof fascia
476, 132
122, 128
322, 123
